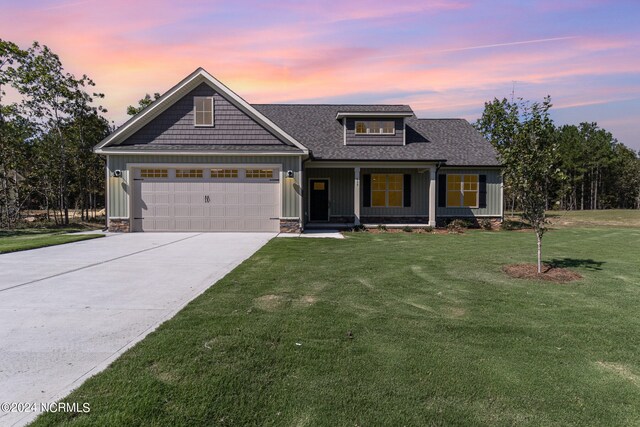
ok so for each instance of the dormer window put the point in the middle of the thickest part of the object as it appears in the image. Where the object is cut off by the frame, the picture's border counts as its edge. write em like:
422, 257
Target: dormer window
375, 127
203, 110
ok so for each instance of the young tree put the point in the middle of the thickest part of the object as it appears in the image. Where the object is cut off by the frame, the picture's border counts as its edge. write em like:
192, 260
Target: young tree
524, 135
142, 104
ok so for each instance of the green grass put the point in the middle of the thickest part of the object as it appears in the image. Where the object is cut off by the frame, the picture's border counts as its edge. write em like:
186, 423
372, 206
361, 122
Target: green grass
32, 238
588, 218
440, 337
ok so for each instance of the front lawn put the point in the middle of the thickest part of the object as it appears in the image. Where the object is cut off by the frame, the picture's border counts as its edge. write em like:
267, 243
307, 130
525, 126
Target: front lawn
393, 329
32, 238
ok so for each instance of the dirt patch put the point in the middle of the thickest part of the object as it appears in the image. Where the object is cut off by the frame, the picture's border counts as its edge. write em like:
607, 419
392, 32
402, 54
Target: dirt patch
278, 302
549, 273
270, 302
621, 370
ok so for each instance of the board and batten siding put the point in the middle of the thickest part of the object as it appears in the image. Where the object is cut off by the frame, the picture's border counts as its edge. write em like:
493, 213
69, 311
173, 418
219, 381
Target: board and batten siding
341, 183
494, 195
340, 189
120, 188
419, 194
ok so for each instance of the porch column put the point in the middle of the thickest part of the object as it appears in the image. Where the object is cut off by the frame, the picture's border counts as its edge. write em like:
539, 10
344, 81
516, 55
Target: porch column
356, 195
432, 196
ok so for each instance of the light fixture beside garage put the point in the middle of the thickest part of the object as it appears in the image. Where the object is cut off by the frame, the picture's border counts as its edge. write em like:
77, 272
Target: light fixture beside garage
117, 173
290, 174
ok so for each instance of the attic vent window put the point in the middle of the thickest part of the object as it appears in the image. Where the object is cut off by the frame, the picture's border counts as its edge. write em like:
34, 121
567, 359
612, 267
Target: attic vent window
377, 127
203, 110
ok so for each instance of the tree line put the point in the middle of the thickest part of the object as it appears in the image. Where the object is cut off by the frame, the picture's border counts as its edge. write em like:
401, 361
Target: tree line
49, 124
589, 168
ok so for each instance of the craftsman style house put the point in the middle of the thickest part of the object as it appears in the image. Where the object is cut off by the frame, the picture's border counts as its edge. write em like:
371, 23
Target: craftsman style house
201, 158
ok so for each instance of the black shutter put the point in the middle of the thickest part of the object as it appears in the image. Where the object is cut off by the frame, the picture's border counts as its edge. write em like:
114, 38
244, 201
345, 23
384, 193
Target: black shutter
482, 199
366, 190
442, 190
407, 190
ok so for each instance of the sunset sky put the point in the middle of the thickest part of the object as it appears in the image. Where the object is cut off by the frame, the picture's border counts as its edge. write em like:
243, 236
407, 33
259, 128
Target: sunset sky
444, 58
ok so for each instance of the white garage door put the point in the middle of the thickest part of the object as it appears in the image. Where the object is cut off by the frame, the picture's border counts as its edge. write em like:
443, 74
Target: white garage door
206, 199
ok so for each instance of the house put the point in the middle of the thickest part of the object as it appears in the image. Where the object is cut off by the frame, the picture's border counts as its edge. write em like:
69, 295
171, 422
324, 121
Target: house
201, 158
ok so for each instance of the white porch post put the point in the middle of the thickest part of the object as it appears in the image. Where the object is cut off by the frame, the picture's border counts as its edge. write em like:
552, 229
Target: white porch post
356, 195
432, 196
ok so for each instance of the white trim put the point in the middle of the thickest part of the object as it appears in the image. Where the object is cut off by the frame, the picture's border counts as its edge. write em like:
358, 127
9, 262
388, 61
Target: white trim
328, 198
356, 195
168, 98
195, 112
198, 153
119, 217
301, 194
365, 114
469, 216
289, 218
368, 165
207, 165
432, 196
446, 199
501, 196
404, 132
397, 216
344, 130
106, 193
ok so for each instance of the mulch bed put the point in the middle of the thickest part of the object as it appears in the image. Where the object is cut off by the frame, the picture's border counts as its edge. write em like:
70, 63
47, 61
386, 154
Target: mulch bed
549, 273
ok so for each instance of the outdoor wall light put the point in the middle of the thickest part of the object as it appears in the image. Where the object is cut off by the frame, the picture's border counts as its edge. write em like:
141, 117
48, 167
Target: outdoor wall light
289, 174
117, 173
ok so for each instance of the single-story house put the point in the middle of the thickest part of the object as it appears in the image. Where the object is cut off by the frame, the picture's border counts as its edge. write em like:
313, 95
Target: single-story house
201, 158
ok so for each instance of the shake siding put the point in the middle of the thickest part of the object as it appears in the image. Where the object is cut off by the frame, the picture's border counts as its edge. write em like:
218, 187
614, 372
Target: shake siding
353, 139
119, 188
176, 125
494, 185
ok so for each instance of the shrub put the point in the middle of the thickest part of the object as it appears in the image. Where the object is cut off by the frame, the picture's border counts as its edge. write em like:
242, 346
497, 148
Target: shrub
458, 225
382, 227
485, 224
358, 228
428, 229
508, 225
407, 229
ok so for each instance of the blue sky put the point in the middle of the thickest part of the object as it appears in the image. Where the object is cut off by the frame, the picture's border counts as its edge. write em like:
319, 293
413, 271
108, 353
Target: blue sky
444, 58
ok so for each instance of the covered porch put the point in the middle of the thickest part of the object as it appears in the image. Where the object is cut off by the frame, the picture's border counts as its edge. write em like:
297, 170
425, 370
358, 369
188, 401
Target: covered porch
341, 194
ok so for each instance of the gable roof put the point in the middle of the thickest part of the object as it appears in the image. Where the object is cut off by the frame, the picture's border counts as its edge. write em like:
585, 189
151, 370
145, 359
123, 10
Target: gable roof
315, 126
194, 79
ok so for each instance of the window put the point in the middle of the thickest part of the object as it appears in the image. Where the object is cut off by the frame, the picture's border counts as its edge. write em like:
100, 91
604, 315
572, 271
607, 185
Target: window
386, 191
224, 173
154, 173
259, 173
203, 110
462, 191
188, 173
381, 127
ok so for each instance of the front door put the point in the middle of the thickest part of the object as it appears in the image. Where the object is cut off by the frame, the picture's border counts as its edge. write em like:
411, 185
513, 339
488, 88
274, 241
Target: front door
319, 200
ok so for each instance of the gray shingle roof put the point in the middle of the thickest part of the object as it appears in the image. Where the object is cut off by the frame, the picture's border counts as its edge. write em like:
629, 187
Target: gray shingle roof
315, 126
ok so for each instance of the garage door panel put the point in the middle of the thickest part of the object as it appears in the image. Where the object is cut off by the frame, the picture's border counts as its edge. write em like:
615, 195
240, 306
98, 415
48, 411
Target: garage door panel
207, 204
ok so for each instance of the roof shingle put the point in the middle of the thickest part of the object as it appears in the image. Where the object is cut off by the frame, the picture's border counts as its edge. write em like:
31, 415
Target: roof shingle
315, 126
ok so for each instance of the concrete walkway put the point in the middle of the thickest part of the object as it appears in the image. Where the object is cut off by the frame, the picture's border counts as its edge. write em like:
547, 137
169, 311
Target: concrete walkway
68, 311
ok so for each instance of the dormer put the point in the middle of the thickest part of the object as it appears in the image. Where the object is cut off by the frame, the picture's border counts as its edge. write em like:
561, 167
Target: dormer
374, 128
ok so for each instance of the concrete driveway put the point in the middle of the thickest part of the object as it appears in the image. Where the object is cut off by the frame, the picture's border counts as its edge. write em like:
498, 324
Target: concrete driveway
66, 312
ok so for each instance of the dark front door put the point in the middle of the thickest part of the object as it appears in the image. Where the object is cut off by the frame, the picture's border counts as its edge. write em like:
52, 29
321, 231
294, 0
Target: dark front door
319, 200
